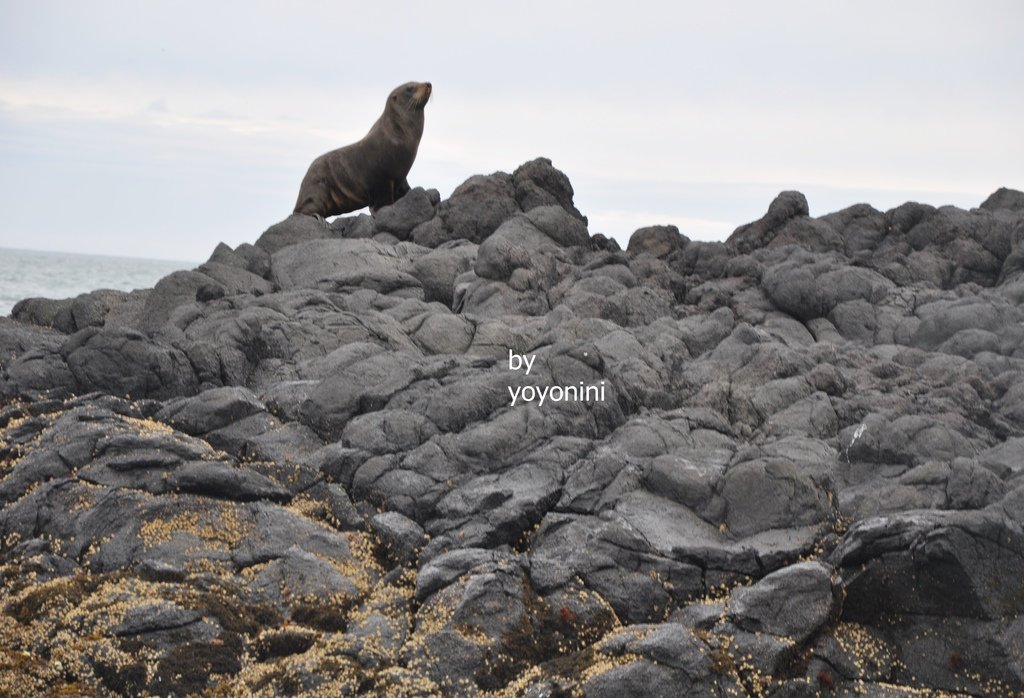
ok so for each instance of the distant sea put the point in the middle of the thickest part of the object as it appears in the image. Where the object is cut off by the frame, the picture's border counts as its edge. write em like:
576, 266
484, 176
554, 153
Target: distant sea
31, 274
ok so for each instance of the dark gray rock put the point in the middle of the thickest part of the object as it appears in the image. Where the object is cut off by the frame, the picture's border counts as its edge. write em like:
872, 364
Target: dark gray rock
416, 207
302, 574
257, 259
155, 618
235, 280
666, 660
441, 571
521, 244
771, 493
802, 475
180, 288
908, 440
401, 536
538, 183
490, 618
941, 563
292, 230
957, 654
45, 312
93, 309
787, 206
223, 254
1004, 199
283, 453
807, 289
794, 602
210, 410
474, 210
388, 431
16, 338
125, 362
340, 264
221, 480
657, 240
1006, 460
438, 269
364, 385
39, 372
493, 509
381, 628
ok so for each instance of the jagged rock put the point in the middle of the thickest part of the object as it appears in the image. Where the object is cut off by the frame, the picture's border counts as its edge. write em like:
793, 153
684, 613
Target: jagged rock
763, 494
292, 230
490, 616
257, 259
46, 312
124, 362
525, 243
658, 240
302, 575
39, 372
416, 207
664, 660
177, 289
402, 537
336, 265
210, 410
474, 210
17, 338
1004, 199
808, 289
350, 391
438, 269
940, 563
538, 183
787, 206
222, 480
325, 469
234, 280
794, 602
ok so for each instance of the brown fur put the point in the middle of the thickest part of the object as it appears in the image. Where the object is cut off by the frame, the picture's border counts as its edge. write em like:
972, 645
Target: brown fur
371, 172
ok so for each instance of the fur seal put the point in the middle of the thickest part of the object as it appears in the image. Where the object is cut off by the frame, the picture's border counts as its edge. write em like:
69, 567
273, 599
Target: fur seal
370, 172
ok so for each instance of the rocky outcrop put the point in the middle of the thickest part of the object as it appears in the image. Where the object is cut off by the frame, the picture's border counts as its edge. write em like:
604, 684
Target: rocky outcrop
465, 446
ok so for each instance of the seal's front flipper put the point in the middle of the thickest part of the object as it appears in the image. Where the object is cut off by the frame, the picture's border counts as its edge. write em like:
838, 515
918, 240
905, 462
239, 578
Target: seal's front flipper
383, 195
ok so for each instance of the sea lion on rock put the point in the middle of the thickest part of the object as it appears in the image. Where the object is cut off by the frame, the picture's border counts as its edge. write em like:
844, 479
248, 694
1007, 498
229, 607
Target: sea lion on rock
372, 171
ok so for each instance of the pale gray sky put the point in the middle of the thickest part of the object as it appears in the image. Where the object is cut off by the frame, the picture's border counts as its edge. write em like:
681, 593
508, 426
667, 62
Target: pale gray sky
159, 129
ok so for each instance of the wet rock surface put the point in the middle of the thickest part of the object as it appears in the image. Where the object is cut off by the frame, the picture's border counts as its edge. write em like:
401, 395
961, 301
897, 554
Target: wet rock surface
789, 464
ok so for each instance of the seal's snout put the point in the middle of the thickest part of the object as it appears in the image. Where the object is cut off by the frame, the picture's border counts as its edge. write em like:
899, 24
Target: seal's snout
426, 89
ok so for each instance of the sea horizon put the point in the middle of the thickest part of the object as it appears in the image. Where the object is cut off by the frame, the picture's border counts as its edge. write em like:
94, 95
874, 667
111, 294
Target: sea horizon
28, 273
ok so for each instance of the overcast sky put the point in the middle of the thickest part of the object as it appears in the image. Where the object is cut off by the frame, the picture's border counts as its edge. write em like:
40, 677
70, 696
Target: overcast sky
160, 129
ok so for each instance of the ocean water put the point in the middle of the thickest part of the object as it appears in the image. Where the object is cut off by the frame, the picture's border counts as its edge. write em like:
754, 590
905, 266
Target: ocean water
31, 274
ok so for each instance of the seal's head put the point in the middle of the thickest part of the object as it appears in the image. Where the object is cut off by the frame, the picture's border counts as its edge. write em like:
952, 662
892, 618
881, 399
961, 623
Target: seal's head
410, 96
403, 113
